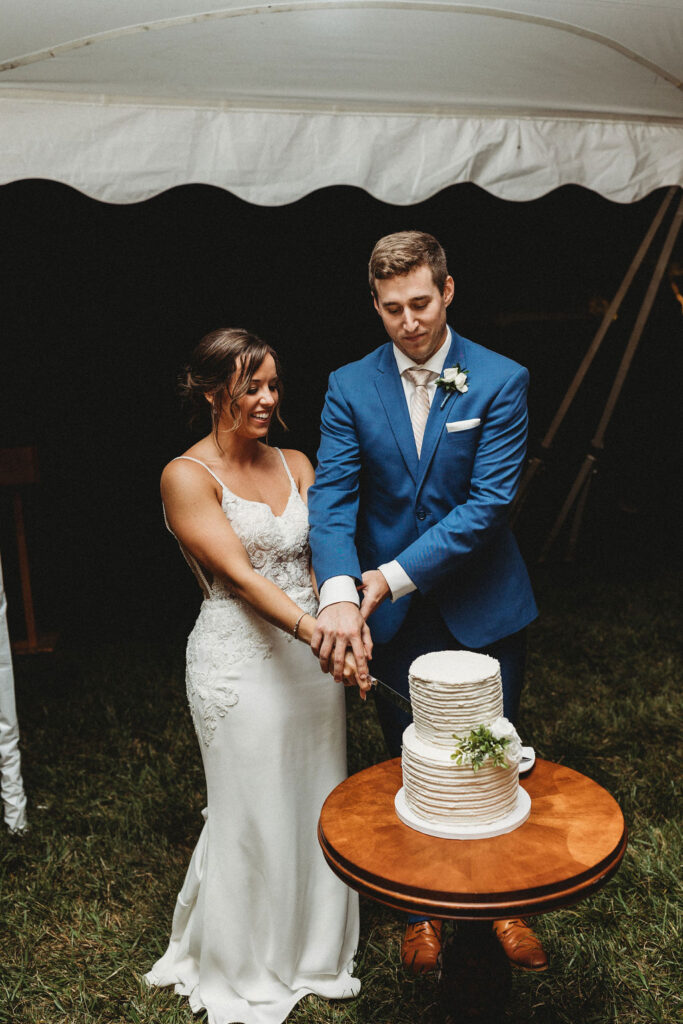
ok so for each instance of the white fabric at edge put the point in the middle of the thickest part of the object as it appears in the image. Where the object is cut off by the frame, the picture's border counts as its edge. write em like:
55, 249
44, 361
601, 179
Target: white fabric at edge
13, 796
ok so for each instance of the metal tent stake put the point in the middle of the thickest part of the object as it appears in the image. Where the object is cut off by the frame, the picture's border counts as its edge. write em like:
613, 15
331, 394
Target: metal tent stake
589, 467
610, 315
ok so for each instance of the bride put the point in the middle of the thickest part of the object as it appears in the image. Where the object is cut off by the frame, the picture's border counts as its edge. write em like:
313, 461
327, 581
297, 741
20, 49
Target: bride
260, 920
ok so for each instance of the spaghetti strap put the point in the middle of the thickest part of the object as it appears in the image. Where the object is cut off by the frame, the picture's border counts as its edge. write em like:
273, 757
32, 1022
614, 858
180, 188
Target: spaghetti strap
189, 458
287, 469
225, 487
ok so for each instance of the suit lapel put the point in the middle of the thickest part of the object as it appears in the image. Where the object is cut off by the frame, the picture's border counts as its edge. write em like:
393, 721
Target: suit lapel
392, 396
438, 416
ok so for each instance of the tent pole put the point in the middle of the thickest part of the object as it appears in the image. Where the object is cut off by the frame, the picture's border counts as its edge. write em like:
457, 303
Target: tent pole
575, 490
537, 461
598, 442
665, 254
578, 517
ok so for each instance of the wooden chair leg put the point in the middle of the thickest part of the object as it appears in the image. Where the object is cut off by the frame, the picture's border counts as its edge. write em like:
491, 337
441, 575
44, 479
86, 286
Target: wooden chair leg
24, 571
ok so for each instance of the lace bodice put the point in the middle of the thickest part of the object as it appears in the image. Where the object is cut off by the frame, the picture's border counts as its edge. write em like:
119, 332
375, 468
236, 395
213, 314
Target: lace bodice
277, 545
228, 630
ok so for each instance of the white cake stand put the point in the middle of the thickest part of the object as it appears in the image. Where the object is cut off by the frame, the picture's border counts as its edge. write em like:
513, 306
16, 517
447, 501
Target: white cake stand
441, 830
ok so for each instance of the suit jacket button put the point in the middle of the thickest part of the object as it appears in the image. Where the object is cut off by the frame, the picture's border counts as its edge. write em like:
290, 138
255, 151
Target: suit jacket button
421, 514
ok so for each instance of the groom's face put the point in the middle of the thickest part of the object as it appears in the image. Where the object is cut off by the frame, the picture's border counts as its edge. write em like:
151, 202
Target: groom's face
413, 311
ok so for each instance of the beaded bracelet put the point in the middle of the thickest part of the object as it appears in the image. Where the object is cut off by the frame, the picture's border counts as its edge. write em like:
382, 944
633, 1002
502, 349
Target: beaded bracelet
295, 631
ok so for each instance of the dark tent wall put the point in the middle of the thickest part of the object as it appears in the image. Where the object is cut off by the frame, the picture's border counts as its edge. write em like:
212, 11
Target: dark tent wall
100, 305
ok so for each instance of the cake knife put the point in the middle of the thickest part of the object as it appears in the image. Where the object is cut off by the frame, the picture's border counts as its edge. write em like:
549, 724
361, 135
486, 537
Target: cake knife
391, 694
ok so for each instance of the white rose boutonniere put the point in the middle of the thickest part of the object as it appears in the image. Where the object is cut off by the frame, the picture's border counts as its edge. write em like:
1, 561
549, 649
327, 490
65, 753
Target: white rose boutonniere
453, 379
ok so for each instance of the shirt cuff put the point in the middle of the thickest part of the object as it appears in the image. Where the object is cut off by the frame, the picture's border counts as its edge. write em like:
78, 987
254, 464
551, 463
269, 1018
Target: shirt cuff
338, 588
398, 579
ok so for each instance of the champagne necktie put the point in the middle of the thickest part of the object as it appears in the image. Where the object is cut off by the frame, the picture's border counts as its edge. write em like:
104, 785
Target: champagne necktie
419, 405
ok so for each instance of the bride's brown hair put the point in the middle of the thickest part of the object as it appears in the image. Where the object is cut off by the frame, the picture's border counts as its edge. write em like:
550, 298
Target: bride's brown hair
221, 355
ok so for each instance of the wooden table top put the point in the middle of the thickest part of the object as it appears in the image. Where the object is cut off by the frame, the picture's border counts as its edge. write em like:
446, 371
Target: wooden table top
571, 844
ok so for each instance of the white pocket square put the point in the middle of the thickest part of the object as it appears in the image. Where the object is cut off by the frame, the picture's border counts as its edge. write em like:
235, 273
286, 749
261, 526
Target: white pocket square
462, 425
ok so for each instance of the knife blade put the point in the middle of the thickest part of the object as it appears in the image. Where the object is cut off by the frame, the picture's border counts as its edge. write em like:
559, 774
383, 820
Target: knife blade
391, 694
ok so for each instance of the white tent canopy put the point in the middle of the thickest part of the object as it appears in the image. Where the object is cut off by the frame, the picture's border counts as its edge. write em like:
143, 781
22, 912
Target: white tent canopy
402, 98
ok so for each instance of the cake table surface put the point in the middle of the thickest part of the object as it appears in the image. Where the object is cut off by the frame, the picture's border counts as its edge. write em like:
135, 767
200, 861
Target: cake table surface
571, 844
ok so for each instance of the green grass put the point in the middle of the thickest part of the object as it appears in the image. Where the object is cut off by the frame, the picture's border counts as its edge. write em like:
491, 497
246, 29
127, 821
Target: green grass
115, 789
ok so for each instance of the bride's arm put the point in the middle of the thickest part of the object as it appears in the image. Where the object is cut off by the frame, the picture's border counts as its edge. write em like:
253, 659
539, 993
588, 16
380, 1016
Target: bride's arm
304, 475
192, 503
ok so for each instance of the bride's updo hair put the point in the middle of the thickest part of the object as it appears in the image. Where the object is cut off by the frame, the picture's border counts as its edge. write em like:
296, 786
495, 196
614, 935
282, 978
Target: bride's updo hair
220, 356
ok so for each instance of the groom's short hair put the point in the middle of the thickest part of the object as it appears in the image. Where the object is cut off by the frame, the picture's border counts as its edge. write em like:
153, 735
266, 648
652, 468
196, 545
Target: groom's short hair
398, 254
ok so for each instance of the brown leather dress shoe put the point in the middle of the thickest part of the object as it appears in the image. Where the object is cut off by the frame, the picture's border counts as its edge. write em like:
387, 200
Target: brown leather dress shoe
421, 949
520, 945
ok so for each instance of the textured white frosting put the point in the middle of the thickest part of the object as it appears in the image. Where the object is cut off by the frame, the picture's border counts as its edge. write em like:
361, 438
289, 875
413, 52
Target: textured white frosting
453, 692
439, 790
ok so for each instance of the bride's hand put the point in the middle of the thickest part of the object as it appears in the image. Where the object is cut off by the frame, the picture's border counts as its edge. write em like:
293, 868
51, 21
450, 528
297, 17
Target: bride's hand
350, 676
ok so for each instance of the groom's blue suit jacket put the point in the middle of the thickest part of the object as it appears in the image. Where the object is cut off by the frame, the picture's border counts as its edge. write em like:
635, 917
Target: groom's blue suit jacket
442, 516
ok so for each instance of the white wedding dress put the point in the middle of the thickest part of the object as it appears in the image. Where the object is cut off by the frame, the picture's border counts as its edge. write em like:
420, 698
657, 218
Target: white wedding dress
261, 920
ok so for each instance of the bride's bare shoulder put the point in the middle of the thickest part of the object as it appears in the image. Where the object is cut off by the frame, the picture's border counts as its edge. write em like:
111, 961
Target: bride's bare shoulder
186, 470
299, 466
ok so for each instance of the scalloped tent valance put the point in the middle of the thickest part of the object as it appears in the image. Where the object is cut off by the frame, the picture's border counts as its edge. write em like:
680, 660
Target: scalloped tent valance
399, 97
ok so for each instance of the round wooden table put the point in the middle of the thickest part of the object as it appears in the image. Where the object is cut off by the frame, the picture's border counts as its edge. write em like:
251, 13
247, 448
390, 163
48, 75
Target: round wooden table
571, 844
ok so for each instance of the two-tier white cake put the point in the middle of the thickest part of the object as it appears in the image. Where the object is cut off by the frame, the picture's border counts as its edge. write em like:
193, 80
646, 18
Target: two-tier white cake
452, 693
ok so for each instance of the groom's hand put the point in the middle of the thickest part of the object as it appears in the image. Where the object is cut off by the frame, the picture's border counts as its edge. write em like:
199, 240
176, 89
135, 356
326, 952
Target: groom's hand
338, 627
374, 589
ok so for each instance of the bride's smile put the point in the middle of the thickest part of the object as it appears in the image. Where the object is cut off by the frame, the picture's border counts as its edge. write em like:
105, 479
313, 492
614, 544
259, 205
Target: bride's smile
255, 407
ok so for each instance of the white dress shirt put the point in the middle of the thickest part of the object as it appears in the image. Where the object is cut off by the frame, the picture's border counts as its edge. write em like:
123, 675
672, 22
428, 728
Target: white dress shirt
343, 588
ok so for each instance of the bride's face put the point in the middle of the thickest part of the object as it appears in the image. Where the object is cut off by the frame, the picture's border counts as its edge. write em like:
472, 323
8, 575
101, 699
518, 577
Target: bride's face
259, 403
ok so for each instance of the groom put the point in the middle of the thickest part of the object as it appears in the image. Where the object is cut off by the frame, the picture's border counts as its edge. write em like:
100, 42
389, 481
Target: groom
422, 445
